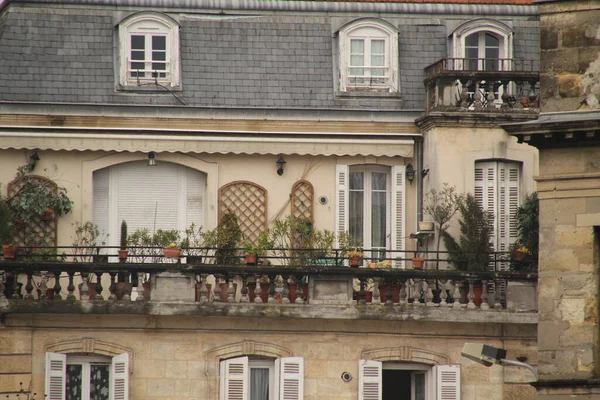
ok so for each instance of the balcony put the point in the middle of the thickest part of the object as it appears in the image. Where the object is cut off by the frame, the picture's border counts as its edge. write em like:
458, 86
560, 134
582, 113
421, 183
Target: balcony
95, 281
505, 85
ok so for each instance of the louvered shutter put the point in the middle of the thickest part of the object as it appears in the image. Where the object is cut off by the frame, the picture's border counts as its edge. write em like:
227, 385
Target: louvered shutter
341, 185
234, 379
369, 380
397, 214
447, 382
56, 373
119, 379
290, 378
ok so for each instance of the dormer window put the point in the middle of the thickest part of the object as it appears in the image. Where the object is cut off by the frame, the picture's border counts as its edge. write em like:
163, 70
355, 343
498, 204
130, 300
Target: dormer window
483, 45
368, 57
149, 50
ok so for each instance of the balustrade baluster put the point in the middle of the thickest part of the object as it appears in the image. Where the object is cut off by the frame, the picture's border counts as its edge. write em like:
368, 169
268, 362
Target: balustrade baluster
286, 291
403, 296
140, 286
471, 296
376, 295
83, 291
464, 94
497, 295
420, 292
505, 96
99, 287
113, 286
272, 279
43, 286
456, 294
484, 296
299, 292
490, 95
204, 294
257, 289
2, 287
428, 294
244, 291
478, 101
217, 290
388, 295
71, 287
29, 286
230, 289
57, 287
361, 292
443, 293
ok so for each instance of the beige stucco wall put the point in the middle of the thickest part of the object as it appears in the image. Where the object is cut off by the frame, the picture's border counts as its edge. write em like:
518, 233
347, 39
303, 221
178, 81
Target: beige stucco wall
74, 171
174, 357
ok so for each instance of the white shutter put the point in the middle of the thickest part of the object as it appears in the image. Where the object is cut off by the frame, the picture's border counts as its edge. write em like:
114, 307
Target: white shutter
369, 380
290, 378
447, 379
100, 205
486, 193
119, 379
234, 379
342, 186
397, 215
56, 373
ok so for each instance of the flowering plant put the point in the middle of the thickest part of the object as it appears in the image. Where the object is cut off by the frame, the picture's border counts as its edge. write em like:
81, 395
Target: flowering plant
172, 245
524, 250
355, 253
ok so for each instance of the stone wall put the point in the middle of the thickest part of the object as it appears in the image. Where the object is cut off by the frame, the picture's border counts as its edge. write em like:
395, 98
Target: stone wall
570, 60
176, 357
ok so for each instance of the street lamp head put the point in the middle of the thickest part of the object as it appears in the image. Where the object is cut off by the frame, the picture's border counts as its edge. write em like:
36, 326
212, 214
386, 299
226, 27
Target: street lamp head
483, 353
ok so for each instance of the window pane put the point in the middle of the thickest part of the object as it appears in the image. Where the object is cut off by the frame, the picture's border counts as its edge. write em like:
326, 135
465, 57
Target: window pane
159, 56
355, 209
159, 43
357, 46
357, 61
377, 61
472, 40
74, 382
99, 381
138, 42
159, 66
378, 47
137, 55
491, 40
259, 384
379, 181
378, 219
357, 180
419, 386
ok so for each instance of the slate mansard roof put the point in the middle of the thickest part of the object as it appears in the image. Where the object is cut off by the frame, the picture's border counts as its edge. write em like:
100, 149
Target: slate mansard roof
264, 54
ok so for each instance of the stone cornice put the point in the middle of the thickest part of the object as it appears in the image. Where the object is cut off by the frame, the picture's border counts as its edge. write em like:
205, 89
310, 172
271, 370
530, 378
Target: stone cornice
470, 119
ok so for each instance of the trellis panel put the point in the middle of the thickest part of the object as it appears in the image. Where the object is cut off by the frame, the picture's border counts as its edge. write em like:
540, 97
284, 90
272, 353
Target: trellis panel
248, 201
37, 231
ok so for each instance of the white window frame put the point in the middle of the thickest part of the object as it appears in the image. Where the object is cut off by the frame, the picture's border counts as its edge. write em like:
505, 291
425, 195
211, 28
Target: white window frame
369, 30
442, 382
502, 31
147, 24
56, 373
395, 212
286, 375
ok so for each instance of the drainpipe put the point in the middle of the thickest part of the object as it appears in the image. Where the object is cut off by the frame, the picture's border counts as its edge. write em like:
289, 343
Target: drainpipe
419, 176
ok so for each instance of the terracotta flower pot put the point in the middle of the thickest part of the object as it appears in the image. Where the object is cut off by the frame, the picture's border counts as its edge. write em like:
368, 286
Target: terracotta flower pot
395, 292
250, 258
418, 262
171, 252
9, 251
123, 254
368, 296
354, 262
48, 215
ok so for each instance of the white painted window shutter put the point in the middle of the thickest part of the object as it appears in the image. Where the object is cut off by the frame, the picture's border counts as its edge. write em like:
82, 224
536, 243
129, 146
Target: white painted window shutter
56, 373
370, 380
119, 379
234, 379
342, 186
397, 215
447, 379
100, 200
195, 194
290, 380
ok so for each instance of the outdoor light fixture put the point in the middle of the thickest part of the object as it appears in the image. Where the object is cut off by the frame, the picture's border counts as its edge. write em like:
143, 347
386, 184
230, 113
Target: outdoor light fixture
410, 173
280, 163
151, 159
33, 159
488, 355
424, 172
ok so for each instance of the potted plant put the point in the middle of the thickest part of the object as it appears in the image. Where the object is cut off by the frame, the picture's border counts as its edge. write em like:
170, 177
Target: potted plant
442, 205
193, 244
226, 239
418, 262
350, 248
123, 242
525, 249
354, 257
87, 236
172, 251
259, 248
6, 230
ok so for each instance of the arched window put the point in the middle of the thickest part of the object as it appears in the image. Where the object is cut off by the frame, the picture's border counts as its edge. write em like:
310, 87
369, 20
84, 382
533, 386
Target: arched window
368, 56
149, 50
485, 44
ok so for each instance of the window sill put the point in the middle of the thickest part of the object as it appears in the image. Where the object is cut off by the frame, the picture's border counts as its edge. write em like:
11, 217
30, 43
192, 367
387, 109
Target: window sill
368, 94
149, 88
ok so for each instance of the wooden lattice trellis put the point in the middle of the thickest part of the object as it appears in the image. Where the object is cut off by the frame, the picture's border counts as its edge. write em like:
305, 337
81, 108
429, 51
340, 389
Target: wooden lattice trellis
248, 201
302, 207
37, 230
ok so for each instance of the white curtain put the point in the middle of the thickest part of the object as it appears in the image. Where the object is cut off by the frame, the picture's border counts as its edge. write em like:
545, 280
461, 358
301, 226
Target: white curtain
259, 384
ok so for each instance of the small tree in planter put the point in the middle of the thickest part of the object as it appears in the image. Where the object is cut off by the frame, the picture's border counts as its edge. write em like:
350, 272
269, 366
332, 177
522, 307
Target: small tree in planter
7, 231
528, 228
442, 205
123, 241
193, 244
255, 249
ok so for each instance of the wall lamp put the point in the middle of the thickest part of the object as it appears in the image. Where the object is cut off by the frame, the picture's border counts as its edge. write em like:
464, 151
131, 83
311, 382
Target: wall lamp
410, 173
151, 159
33, 159
424, 172
280, 163
488, 355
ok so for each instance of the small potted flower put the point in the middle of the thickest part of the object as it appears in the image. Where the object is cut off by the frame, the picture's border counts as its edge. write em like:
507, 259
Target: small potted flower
354, 257
520, 253
172, 251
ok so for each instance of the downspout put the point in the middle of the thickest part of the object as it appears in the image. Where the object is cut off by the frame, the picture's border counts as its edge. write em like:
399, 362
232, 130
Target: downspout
419, 176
